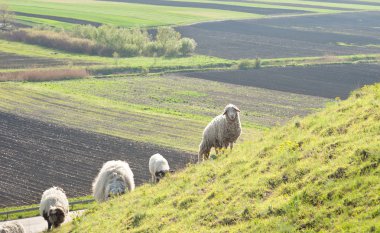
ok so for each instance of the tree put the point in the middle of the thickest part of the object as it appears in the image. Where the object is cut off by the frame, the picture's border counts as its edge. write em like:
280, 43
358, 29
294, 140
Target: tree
6, 17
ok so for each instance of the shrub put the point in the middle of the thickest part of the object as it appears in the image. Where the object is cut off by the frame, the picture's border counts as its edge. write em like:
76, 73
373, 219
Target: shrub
106, 40
246, 64
153, 49
187, 46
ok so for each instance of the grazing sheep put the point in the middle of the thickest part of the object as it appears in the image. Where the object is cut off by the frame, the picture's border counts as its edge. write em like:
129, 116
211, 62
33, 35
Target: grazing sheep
158, 167
12, 227
222, 131
54, 206
112, 179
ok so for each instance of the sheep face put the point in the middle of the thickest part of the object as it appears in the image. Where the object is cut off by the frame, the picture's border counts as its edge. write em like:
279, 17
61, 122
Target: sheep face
231, 112
56, 216
161, 174
115, 187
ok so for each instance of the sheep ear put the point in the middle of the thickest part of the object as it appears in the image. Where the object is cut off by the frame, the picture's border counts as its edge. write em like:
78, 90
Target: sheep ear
171, 171
225, 112
237, 110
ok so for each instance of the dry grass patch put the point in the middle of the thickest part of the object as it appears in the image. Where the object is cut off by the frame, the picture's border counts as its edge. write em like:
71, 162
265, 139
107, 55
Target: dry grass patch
43, 75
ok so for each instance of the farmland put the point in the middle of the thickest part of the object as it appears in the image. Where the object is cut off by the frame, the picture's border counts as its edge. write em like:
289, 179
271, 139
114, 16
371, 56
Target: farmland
309, 53
327, 81
301, 36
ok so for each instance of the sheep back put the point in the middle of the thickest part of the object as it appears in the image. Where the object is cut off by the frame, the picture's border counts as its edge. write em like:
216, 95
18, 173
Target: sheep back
158, 163
54, 197
12, 227
111, 170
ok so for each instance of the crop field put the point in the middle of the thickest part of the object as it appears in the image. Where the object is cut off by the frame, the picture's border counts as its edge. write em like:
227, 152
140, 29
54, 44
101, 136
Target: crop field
65, 13
299, 36
36, 155
328, 81
149, 13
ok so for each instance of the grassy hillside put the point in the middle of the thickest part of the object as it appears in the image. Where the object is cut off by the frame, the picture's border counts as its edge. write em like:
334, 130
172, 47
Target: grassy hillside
318, 174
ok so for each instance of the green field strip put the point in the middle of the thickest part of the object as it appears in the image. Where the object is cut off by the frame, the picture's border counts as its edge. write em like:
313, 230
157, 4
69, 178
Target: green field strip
264, 5
31, 21
125, 14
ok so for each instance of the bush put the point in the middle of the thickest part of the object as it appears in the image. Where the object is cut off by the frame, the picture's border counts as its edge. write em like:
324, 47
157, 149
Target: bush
106, 40
246, 64
187, 46
153, 49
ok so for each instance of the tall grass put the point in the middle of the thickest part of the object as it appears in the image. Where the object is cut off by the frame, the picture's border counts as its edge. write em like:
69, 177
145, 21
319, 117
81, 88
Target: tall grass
43, 75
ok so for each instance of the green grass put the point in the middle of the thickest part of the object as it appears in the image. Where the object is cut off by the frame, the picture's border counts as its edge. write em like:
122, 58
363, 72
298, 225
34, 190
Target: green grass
37, 212
317, 174
170, 111
121, 14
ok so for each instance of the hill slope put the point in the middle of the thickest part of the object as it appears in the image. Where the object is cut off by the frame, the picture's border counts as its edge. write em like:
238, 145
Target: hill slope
320, 173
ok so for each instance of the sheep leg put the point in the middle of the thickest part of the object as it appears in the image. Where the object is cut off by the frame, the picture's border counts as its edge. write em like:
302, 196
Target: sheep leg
200, 158
207, 155
49, 225
153, 179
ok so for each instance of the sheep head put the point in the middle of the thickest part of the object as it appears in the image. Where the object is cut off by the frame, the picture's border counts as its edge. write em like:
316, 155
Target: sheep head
116, 186
231, 112
56, 216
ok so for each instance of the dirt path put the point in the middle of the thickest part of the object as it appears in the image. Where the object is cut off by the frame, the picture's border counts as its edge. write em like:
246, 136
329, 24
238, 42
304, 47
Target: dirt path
38, 224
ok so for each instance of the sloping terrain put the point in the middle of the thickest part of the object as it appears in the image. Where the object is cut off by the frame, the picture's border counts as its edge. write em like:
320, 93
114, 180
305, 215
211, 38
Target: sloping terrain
36, 155
318, 174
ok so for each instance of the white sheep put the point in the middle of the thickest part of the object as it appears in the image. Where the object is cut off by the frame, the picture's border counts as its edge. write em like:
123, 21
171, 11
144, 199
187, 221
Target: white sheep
222, 131
158, 167
12, 227
54, 206
113, 179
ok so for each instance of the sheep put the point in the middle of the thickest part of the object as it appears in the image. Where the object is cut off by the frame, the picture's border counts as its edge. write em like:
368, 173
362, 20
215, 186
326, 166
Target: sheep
222, 131
54, 206
112, 180
12, 227
158, 167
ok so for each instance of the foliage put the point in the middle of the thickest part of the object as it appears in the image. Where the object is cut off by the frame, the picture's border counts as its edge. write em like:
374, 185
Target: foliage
246, 64
106, 40
6, 17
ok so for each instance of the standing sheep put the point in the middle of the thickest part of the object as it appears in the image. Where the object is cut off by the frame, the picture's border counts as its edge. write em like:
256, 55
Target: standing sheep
158, 167
12, 227
222, 131
113, 179
54, 206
